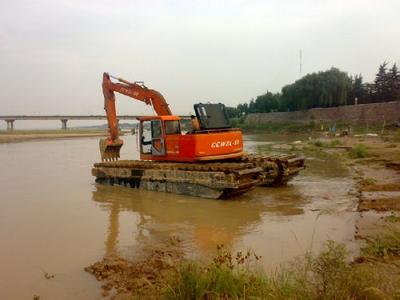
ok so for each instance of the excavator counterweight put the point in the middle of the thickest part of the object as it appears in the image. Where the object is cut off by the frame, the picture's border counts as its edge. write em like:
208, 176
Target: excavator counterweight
206, 161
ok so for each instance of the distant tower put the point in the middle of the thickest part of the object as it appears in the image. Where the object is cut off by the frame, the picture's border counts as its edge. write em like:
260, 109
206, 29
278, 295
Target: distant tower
301, 62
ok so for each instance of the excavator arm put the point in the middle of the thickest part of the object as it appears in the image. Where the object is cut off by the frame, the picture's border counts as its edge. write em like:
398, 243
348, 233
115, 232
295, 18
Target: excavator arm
110, 147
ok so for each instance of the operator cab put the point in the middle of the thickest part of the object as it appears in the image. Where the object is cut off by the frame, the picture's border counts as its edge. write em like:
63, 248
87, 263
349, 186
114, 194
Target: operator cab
153, 131
161, 137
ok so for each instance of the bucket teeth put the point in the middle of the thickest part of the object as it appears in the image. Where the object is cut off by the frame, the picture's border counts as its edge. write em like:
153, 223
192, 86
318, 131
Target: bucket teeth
109, 151
109, 157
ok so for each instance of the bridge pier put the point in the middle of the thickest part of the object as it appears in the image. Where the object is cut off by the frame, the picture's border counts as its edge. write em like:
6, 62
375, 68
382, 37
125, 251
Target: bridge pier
10, 125
64, 124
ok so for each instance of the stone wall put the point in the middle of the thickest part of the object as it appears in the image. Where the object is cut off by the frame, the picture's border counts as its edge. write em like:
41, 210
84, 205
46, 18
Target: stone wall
362, 114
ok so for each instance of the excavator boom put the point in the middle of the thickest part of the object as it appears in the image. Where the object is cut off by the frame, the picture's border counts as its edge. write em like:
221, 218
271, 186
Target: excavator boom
110, 147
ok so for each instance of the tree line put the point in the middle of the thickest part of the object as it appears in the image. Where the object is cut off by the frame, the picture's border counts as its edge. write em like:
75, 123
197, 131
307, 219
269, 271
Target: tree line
326, 89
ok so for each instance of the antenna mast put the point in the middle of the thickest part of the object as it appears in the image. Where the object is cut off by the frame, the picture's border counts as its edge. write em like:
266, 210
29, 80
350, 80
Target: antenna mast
301, 62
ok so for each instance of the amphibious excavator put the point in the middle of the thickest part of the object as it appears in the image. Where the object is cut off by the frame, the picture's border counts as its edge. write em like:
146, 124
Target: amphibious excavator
206, 161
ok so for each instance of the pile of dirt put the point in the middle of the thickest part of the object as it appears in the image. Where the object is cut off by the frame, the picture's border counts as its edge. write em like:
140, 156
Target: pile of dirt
121, 278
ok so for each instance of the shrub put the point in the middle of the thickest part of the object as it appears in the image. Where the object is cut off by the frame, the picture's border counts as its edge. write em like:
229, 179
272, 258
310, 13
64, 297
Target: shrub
335, 143
226, 277
359, 151
325, 276
383, 245
392, 218
319, 143
368, 181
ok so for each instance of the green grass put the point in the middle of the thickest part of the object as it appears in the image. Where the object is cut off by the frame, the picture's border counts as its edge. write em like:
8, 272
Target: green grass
226, 277
276, 127
319, 143
368, 181
335, 143
359, 151
327, 275
384, 245
311, 126
393, 218
330, 144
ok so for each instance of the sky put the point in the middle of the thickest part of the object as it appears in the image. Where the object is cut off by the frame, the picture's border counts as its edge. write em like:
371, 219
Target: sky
53, 52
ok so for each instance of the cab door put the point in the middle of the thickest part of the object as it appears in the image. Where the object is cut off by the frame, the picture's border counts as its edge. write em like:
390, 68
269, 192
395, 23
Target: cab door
172, 137
157, 138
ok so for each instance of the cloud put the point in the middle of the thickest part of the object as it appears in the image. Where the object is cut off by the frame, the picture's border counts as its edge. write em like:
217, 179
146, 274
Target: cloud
54, 52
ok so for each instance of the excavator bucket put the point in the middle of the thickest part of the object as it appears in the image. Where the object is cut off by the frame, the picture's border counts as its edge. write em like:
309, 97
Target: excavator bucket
109, 149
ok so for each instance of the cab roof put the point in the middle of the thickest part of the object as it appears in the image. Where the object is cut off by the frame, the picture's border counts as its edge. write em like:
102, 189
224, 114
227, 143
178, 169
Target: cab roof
164, 118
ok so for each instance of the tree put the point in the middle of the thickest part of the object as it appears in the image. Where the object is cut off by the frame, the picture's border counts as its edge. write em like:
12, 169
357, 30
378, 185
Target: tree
393, 84
369, 96
232, 112
358, 90
243, 108
267, 102
328, 89
322, 89
381, 84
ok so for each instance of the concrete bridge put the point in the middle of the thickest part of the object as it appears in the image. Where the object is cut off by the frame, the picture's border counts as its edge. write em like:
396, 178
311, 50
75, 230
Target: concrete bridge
63, 118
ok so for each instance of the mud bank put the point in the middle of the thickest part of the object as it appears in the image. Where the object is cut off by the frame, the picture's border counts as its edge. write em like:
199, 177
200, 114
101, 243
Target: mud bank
374, 161
121, 277
379, 188
49, 135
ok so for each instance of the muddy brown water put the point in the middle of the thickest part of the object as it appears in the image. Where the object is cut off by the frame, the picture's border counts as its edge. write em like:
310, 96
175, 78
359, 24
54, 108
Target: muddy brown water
54, 219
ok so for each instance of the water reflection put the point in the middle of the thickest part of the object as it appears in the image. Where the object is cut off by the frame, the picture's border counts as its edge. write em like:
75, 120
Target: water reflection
278, 223
202, 223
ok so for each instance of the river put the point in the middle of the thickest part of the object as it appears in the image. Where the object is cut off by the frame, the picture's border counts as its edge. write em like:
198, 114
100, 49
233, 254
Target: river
55, 220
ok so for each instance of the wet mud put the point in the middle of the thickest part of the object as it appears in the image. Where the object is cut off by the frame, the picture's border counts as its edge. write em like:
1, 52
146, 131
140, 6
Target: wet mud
377, 178
121, 277
379, 187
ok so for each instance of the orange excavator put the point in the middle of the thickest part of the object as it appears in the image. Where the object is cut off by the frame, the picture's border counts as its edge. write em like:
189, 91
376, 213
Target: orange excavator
208, 160
214, 140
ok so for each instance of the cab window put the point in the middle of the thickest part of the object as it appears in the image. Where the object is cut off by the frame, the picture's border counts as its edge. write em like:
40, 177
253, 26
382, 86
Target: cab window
156, 129
172, 127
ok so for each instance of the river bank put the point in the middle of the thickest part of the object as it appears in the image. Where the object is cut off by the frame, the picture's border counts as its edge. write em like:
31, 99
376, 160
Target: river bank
30, 135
